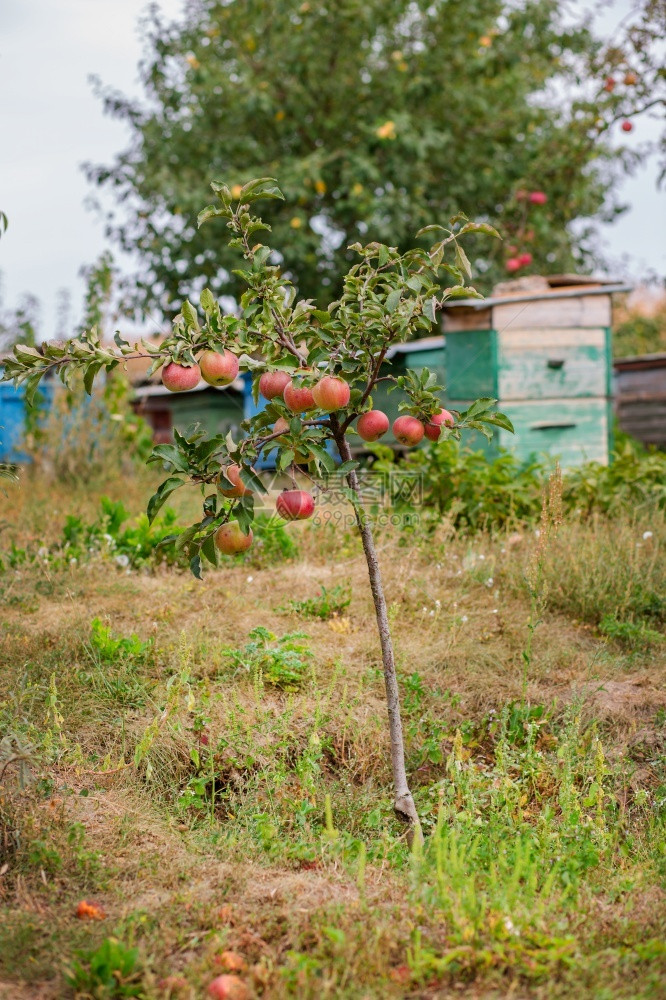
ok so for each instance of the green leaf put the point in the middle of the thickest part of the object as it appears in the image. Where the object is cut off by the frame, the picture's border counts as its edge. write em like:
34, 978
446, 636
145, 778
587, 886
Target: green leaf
251, 480
429, 308
462, 260
210, 212
189, 314
481, 405
500, 420
479, 227
393, 300
348, 467
209, 549
322, 456
171, 454
262, 187
159, 498
195, 566
89, 377
207, 300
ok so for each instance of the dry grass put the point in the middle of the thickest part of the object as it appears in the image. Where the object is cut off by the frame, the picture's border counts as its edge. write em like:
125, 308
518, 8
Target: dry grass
256, 870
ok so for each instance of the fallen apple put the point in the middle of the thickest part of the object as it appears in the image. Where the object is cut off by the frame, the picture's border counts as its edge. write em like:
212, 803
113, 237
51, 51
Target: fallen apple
228, 987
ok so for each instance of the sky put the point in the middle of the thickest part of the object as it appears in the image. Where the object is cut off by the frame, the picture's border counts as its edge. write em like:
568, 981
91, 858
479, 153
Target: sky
51, 123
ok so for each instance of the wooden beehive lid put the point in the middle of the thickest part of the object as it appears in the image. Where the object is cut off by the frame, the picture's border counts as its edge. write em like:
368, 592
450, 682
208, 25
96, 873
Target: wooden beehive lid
527, 301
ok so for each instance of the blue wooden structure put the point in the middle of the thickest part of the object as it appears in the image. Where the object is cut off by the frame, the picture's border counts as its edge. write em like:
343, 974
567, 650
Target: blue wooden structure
12, 419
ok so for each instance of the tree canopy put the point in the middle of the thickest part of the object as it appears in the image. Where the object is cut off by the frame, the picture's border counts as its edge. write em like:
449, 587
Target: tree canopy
376, 116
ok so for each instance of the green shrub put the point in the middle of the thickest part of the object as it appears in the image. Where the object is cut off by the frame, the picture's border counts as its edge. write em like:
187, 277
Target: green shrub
327, 603
108, 972
481, 495
280, 662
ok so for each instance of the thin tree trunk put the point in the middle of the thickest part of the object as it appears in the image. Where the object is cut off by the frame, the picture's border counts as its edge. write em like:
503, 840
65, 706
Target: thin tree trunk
403, 803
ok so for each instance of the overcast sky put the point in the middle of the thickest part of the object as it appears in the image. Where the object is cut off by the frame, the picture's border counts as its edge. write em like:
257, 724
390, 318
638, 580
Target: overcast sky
50, 123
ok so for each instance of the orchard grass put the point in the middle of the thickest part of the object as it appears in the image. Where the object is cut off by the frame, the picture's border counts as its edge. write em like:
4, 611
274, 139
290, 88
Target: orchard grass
207, 763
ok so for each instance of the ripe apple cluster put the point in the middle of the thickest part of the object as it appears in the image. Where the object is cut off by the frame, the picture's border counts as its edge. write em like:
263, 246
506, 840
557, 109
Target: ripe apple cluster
329, 395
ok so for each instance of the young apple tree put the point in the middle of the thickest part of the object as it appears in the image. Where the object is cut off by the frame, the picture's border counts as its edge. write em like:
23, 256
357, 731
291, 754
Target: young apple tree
316, 370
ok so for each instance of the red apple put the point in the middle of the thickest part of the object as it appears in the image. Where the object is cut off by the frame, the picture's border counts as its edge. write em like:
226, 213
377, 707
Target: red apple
331, 393
230, 538
218, 369
433, 428
408, 430
627, 126
538, 197
295, 505
232, 473
180, 378
272, 384
609, 84
280, 426
372, 425
513, 264
228, 987
525, 259
298, 398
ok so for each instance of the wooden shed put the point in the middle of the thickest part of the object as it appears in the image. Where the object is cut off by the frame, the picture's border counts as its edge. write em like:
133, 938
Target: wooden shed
542, 347
640, 397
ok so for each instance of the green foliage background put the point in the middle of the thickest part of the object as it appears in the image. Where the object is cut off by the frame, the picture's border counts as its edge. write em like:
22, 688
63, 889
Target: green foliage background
377, 116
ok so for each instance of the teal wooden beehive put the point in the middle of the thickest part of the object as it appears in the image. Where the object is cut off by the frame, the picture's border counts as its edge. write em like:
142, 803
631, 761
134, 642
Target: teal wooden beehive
545, 354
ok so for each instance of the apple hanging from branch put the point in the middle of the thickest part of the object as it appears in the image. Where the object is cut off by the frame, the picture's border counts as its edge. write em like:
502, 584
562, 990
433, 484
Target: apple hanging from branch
316, 369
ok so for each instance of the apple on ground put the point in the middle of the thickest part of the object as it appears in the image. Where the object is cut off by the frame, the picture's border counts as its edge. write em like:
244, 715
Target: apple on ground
609, 84
227, 987
295, 505
232, 473
630, 78
408, 430
298, 397
434, 428
218, 368
331, 393
525, 259
627, 126
538, 197
272, 384
230, 538
513, 264
372, 425
180, 378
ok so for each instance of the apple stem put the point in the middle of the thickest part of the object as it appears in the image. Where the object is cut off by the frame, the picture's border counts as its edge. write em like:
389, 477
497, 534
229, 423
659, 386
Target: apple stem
403, 803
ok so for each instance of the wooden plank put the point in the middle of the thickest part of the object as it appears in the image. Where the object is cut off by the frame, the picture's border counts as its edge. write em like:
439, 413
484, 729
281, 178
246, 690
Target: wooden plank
551, 363
461, 319
578, 311
574, 431
471, 364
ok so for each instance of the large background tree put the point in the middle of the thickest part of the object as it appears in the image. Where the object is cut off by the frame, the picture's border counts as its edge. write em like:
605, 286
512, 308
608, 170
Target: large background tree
377, 115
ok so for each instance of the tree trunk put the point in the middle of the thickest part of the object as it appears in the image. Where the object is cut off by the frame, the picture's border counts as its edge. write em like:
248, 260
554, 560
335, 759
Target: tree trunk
403, 803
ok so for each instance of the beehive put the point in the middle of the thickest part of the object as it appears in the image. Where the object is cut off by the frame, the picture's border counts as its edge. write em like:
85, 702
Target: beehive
543, 350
